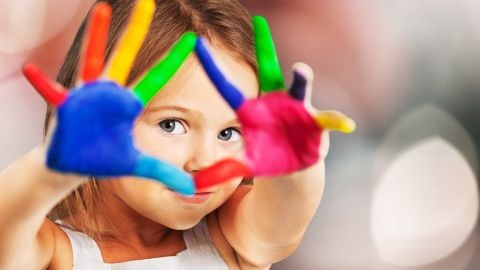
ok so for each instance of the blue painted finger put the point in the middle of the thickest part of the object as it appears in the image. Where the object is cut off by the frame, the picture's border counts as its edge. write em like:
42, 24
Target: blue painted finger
228, 91
169, 175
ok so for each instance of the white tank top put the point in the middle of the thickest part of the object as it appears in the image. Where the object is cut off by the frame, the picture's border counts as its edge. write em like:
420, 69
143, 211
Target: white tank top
200, 253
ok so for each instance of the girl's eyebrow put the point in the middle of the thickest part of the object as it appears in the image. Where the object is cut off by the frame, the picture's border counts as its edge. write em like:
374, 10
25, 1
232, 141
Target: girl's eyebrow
171, 108
234, 122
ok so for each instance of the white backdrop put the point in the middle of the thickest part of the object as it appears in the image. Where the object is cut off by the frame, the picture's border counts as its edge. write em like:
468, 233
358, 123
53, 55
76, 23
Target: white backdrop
33, 31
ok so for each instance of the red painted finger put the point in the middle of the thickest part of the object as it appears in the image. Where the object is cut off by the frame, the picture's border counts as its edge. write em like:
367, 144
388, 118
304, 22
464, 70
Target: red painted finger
220, 172
96, 42
48, 89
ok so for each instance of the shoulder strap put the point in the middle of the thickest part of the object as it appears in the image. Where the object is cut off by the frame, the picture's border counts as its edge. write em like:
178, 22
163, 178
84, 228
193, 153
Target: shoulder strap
197, 235
85, 250
201, 252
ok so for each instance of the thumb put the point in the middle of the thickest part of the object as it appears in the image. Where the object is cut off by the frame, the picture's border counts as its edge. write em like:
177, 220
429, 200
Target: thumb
335, 121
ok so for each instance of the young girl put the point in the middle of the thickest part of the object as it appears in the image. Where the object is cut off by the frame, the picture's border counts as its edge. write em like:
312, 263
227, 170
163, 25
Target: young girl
127, 222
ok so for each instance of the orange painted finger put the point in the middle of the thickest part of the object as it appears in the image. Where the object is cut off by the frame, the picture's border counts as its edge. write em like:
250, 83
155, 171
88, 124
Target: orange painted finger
96, 40
48, 89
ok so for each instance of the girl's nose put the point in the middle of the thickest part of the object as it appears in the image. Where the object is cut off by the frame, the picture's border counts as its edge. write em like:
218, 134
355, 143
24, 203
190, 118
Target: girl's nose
202, 155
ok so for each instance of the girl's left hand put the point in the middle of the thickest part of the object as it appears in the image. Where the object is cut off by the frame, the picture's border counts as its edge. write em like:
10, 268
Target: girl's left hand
282, 131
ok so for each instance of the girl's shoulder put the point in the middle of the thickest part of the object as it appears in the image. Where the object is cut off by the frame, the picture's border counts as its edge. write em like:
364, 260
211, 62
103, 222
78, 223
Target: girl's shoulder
53, 240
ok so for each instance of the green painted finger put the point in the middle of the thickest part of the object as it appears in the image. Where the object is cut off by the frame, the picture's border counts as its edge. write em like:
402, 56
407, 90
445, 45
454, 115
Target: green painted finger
158, 76
269, 71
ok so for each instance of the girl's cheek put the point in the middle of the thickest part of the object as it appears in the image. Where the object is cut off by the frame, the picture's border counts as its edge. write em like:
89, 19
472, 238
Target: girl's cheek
232, 185
235, 150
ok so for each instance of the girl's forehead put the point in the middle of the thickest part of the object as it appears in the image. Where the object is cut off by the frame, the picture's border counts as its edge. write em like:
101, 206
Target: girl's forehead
191, 81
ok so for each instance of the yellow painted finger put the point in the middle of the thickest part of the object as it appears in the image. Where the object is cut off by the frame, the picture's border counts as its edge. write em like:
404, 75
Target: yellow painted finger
131, 41
336, 121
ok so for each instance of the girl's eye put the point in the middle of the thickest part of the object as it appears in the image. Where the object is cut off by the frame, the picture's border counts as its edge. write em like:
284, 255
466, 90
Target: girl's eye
230, 135
172, 126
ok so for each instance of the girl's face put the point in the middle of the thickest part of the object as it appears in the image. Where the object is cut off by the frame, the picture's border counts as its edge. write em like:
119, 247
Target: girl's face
189, 125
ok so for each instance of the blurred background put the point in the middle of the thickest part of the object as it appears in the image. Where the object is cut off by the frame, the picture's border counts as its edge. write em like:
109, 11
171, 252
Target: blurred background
402, 191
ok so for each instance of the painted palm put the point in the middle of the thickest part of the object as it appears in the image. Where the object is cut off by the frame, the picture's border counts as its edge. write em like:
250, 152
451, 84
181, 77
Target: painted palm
282, 131
93, 133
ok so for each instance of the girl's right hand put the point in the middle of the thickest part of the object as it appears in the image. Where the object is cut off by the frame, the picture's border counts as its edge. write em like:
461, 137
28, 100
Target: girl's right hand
282, 131
92, 136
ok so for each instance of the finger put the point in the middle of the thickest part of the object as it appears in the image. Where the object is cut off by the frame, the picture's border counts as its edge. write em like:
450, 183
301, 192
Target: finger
131, 41
48, 89
95, 42
335, 121
269, 71
302, 85
163, 71
169, 175
220, 172
229, 92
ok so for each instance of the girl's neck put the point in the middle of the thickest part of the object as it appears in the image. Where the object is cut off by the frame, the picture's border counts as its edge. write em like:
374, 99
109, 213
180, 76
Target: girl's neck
130, 226
132, 236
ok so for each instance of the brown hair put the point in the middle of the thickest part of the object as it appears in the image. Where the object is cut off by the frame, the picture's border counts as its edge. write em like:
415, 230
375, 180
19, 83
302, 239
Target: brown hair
224, 23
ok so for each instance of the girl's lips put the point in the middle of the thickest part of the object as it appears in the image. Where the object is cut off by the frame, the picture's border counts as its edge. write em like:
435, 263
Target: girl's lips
197, 198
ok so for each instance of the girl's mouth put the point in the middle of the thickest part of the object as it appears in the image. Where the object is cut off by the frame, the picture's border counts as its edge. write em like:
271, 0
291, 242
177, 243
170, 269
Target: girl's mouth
196, 198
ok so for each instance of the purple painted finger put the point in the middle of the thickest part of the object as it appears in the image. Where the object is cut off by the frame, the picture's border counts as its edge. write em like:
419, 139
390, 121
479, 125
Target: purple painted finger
299, 86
